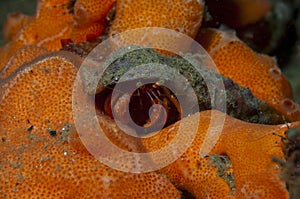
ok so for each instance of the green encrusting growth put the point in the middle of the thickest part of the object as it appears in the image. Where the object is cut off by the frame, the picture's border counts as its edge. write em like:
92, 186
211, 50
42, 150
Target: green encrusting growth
223, 165
240, 102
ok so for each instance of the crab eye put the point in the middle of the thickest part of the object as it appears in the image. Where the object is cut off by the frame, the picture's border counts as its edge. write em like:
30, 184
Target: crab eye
151, 106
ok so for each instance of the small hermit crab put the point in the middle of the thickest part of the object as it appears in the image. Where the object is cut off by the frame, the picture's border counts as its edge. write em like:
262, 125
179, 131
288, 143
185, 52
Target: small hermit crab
145, 88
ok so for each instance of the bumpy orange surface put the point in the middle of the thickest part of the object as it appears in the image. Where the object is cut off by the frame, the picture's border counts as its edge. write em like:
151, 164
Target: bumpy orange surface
81, 33
237, 13
260, 73
87, 12
22, 56
35, 162
180, 15
14, 22
89, 18
51, 24
41, 155
250, 148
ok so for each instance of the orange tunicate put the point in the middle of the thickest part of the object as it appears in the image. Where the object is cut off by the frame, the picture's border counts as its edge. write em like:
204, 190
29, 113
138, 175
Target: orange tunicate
36, 93
250, 148
258, 72
238, 13
88, 12
89, 18
82, 33
37, 157
42, 156
22, 56
291, 108
180, 15
50, 24
14, 23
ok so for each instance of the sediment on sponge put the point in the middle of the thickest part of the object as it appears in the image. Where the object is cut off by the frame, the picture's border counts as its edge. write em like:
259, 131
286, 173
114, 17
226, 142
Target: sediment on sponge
240, 103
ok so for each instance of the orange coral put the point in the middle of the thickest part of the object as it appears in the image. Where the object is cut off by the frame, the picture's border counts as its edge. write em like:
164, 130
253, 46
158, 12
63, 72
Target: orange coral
237, 13
250, 148
260, 73
37, 163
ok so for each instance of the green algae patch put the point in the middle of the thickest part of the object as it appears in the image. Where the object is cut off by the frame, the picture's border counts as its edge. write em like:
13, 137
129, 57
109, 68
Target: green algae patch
63, 133
224, 167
